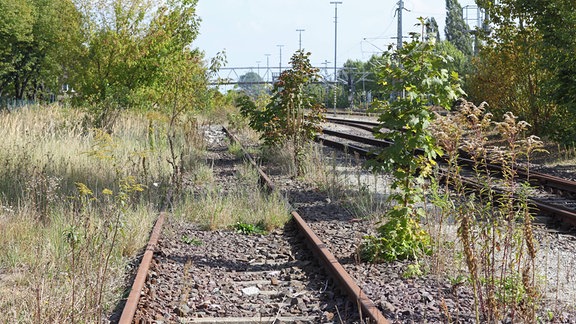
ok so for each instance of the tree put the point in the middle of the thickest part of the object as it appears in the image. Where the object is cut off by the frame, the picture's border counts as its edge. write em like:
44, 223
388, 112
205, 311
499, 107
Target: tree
132, 43
416, 79
39, 43
293, 114
432, 28
510, 70
456, 29
251, 84
556, 22
353, 76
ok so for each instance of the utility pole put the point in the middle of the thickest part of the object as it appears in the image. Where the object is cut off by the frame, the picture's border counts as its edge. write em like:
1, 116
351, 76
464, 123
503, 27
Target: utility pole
300, 38
325, 67
280, 64
399, 29
258, 69
336, 3
267, 74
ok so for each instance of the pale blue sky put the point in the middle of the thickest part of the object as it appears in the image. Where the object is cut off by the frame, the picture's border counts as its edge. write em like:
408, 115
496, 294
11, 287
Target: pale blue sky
249, 29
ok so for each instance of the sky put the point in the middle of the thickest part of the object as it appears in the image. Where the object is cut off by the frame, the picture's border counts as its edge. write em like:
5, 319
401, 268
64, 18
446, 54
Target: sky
247, 30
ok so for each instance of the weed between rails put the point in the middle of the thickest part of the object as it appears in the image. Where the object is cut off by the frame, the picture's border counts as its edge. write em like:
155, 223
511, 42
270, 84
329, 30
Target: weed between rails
495, 231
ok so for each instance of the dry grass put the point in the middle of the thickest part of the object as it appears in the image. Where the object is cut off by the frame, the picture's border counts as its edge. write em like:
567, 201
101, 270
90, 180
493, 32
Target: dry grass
216, 207
75, 206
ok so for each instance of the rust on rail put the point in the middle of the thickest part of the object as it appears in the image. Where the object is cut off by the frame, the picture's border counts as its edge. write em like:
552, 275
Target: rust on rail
355, 293
132, 302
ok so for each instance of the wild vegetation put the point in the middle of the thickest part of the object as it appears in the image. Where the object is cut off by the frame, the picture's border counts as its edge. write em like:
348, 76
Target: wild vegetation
81, 181
292, 115
416, 79
75, 206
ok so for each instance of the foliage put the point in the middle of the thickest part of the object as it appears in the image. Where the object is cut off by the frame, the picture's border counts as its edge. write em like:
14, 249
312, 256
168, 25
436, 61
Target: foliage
432, 29
400, 238
415, 79
251, 84
525, 65
354, 75
139, 53
507, 72
293, 114
456, 29
39, 43
247, 229
556, 22
455, 59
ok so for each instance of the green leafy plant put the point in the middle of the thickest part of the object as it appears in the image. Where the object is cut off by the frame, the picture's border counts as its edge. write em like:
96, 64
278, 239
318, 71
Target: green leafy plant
399, 238
293, 114
415, 79
413, 270
191, 240
247, 229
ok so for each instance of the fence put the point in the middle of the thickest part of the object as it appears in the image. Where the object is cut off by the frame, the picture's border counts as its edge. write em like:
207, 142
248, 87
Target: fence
13, 104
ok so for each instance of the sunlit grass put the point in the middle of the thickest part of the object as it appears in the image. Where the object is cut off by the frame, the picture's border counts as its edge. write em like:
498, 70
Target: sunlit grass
76, 205
220, 207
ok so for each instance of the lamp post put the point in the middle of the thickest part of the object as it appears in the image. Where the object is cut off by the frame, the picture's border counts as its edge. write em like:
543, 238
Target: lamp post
267, 74
335, 3
300, 38
399, 29
280, 64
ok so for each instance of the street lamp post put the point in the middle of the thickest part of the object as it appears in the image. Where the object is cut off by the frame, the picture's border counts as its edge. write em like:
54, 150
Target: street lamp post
335, 3
300, 38
267, 74
280, 64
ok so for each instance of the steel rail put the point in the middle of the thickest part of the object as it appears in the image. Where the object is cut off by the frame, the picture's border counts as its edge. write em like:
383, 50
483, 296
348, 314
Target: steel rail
355, 293
541, 179
564, 214
351, 121
132, 302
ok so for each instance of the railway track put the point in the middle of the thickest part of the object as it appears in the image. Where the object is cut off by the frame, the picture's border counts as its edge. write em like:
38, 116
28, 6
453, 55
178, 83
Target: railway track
556, 200
200, 276
194, 276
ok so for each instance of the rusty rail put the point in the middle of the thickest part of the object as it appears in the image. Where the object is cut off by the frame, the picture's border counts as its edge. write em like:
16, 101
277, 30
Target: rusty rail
132, 302
355, 293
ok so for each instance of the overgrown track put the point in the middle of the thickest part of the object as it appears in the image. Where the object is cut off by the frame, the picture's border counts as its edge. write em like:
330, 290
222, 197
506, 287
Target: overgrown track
199, 276
556, 207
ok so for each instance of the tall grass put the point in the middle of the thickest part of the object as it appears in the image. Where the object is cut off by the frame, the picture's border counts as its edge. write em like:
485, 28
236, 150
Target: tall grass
221, 205
76, 205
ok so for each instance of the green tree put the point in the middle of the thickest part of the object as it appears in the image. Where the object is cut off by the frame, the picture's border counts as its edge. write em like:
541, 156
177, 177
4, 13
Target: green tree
132, 43
39, 43
456, 29
293, 114
16, 22
251, 84
416, 79
432, 28
353, 77
510, 73
139, 55
556, 22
